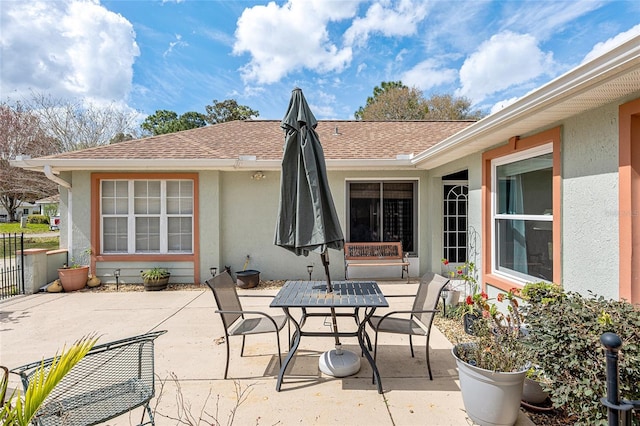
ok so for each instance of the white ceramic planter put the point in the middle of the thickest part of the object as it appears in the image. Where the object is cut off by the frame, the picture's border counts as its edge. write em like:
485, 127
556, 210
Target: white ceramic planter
452, 298
490, 398
533, 393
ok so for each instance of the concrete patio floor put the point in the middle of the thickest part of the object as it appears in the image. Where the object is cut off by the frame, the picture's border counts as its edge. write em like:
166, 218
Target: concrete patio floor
39, 325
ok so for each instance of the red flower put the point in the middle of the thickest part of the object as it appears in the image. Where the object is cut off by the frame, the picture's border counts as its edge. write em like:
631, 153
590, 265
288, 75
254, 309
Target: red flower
500, 297
484, 295
445, 261
469, 300
459, 271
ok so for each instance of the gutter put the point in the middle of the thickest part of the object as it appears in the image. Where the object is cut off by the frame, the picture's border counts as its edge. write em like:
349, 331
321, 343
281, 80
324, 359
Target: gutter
243, 162
48, 172
577, 82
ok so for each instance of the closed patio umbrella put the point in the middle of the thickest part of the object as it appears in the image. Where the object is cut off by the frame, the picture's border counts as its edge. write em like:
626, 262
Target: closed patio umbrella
307, 219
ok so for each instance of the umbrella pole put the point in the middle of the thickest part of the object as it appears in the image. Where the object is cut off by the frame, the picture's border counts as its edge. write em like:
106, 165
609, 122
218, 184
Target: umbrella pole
325, 263
337, 363
334, 322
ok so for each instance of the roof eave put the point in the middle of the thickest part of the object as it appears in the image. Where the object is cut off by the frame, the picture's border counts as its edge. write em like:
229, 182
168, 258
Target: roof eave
62, 165
603, 70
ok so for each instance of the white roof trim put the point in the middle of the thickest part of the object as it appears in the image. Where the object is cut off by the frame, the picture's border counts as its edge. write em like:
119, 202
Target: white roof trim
527, 113
196, 164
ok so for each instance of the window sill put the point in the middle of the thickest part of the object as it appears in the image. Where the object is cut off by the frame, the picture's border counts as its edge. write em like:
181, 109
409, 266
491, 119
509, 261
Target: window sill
502, 282
123, 257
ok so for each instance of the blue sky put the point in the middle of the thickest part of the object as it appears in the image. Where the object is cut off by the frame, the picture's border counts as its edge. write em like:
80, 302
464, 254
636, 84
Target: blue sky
181, 55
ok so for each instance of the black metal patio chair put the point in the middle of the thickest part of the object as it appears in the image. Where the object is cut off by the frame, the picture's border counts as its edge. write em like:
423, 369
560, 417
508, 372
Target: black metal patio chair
236, 320
418, 320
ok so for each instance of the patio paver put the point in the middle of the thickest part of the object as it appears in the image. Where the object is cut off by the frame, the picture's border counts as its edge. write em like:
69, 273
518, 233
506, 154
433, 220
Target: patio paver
37, 326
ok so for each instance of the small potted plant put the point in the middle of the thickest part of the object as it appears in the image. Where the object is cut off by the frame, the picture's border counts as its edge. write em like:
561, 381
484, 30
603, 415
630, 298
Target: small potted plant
492, 369
464, 278
74, 276
472, 311
155, 279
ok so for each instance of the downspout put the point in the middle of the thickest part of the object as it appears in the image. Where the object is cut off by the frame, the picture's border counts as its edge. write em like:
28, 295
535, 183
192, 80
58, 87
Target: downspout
57, 179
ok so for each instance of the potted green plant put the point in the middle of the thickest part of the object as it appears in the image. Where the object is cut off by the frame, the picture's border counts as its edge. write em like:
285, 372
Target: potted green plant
74, 276
464, 278
155, 279
20, 409
472, 311
493, 367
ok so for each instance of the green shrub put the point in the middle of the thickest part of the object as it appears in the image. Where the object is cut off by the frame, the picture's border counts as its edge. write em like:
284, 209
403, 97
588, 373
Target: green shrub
542, 292
564, 341
38, 218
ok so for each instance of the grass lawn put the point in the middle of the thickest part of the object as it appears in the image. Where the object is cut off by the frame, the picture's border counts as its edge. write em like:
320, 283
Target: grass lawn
49, 243
32, 228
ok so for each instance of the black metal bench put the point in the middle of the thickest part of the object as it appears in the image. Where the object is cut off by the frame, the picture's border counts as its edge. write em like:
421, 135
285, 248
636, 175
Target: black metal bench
112, 379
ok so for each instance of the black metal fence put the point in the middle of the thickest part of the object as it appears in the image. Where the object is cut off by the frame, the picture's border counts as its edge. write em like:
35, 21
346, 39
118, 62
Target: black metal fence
619, 411
11, 270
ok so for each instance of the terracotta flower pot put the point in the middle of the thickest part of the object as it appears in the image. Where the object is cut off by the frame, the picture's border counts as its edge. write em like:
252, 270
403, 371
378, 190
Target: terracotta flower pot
73, 279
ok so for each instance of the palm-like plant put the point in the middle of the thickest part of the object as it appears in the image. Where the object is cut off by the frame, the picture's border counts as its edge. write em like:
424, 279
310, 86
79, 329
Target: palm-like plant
20, 411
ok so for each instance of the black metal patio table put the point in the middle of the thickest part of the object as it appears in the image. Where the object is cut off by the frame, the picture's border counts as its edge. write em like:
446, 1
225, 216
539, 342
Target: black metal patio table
346, 294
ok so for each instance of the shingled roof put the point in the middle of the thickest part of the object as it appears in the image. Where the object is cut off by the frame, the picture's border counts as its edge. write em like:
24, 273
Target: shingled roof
264, 139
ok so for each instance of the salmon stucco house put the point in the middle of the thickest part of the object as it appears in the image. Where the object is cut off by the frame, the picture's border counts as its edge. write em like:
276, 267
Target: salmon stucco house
547, 188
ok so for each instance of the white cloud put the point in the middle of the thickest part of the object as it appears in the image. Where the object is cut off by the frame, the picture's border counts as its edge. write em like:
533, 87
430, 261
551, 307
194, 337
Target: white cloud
503, 104
506, 60
605, 46
544, 19
68, 49
178, 43
323, 112
289, 38
428, 74
400, 19
401, 54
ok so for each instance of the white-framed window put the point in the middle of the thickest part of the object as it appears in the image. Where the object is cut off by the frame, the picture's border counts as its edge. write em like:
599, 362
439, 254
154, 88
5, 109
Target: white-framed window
522, 214
146, 216
455, 201
383, 210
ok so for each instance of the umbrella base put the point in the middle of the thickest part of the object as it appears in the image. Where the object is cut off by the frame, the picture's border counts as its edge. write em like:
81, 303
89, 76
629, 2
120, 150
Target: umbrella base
339, 363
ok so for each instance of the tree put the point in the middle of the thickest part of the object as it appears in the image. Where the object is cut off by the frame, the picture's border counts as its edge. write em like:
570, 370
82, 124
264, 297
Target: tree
384, 87
395, 101
22, 133
448, 107
164, 121
121, 137
193, 120
228, 110
79, 124
400, 103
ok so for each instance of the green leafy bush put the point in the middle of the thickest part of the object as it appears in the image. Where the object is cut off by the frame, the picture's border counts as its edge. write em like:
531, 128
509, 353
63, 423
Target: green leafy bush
38, 218
564, 341
542, 292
